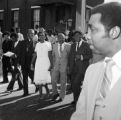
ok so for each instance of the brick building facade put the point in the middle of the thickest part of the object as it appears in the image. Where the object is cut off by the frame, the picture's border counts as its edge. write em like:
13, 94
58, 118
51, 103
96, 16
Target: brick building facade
47, 13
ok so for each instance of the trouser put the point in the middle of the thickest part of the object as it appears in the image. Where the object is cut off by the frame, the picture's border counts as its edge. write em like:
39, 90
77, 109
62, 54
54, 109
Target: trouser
77, 80
6, 67
26, 73
16, 75
62, 76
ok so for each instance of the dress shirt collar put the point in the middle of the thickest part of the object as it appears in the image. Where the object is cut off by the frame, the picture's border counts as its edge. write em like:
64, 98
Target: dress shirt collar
63, 44
80, 43
116, 58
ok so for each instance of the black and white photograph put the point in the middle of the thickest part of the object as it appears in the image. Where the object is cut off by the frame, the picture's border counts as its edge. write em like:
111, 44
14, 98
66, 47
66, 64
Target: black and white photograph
60, 59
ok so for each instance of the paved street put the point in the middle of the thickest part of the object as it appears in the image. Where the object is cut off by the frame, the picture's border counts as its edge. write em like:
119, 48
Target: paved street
15, 107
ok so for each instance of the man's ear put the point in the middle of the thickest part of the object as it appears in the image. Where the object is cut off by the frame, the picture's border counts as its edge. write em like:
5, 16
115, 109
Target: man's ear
115, 32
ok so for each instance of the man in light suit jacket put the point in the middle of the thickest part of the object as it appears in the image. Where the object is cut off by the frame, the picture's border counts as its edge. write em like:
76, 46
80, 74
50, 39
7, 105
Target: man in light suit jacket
104, 35
79, 57
60, 63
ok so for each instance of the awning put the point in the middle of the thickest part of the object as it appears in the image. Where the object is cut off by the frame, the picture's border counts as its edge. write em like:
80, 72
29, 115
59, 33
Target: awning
47, 2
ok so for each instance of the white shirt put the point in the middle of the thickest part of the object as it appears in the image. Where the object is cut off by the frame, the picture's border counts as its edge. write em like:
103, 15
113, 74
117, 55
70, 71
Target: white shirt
116, 69
15, 44
59, 48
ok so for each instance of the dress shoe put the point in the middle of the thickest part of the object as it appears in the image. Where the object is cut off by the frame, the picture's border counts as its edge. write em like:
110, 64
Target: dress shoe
73, 103
55, 97
37, 89
59, 100
20, 88
24, 95
9, 90
4, 82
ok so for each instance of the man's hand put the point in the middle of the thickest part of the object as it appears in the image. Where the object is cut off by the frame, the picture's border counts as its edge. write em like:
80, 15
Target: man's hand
50, 68
79, 57
32, 67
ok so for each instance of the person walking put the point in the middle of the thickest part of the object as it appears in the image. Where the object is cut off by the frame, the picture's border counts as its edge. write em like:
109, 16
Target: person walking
79, 57
6, 47
43, 51
60, 52
26, 54
16, 72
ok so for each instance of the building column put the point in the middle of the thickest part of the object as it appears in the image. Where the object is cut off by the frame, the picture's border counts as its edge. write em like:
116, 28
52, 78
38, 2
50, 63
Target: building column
7, 16
80, 15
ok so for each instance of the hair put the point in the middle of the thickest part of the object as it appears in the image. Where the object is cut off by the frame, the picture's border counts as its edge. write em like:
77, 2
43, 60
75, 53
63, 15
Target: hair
6, 33
77, 32
13, 30
14, 35
30, 30
110, 14
61, 34
41, 29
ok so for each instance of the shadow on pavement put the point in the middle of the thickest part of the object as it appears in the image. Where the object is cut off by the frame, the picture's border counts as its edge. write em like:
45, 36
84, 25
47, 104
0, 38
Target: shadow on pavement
33, 108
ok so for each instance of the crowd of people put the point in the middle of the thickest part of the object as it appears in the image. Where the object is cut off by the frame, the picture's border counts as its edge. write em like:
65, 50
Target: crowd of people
45, 58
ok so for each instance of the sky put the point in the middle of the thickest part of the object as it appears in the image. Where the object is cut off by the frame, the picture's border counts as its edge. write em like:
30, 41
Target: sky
112, 1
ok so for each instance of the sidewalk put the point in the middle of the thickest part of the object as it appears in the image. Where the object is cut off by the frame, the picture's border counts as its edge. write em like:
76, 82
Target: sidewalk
4, 86
15, 107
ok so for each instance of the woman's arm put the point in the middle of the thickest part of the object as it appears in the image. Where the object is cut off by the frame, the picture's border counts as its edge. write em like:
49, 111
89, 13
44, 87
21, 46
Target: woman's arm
33, 60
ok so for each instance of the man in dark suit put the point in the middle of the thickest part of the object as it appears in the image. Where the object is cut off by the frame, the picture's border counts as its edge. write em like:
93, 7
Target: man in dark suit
16, 73
80, 55
26, 53
6, 46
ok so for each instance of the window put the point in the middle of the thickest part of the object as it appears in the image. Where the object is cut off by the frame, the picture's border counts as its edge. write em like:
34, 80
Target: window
15, 18
35, 16
1, 18
60, 13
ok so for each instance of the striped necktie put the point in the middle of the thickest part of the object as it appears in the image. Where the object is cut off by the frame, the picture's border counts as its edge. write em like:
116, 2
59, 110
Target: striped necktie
106, 83
60, 48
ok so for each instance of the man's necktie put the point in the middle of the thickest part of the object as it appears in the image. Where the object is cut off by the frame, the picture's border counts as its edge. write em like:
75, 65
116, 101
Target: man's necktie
60, 49
77, 46
106, 83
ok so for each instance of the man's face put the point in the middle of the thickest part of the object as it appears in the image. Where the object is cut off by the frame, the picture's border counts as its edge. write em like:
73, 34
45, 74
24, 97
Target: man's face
98, 37
31, 34
6, 37
77, 37
14, 39
61, 38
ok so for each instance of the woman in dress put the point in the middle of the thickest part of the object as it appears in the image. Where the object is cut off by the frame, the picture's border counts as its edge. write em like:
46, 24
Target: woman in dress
43, 63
